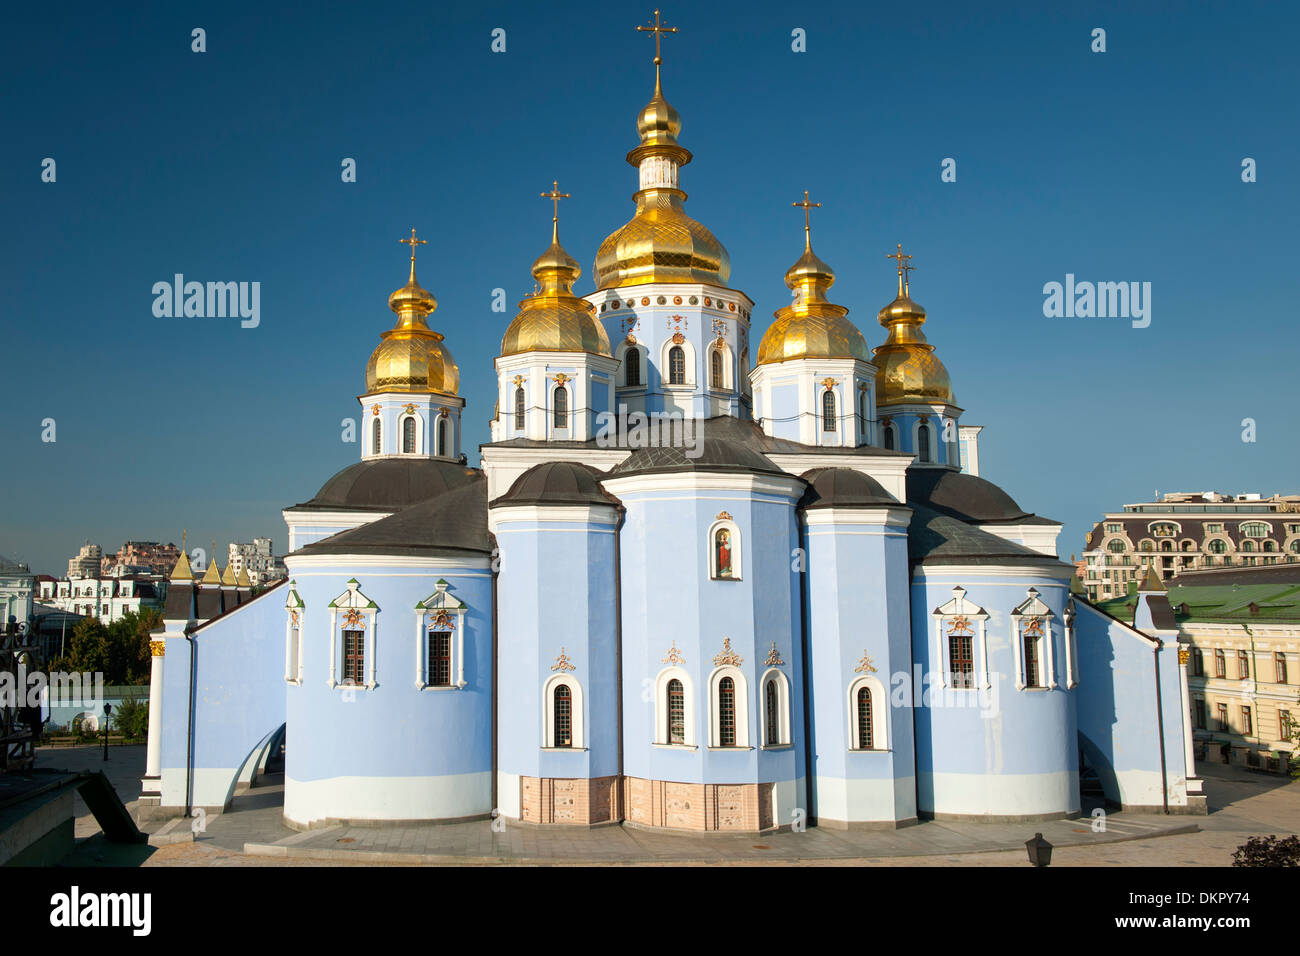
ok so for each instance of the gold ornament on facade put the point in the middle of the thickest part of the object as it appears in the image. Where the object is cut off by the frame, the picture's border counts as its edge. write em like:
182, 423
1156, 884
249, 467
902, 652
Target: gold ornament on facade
562, 663
811, 326
553, 319
158, 648
773, 657
723, 516
678, 338
412, 357
906, 367
865, 666
674, 655
727, 657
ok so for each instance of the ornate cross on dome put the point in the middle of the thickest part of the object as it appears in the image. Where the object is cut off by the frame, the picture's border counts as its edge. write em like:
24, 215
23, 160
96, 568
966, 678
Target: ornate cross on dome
555, 196
413, 242
808, 207
904, 263
658, 30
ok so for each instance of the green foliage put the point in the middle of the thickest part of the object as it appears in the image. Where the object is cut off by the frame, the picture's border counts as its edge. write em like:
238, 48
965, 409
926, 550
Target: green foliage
120, 651
131, 717
1268, 851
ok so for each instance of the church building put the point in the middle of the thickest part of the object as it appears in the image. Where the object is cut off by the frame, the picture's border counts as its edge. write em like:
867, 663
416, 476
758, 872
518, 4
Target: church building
696, 583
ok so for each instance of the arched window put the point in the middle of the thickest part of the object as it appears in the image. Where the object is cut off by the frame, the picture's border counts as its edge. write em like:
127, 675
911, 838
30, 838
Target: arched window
1295, 546
676, 712
923, 442
1115, 546
889, 438
828, 411
1254, 529
408, 435
724, 550
862, 414
676, 365
1217, 546
563, 716
1248, 546
866, 736
442, 436
561, 419
726, 712
772, 723
1166, 546
374, 443
519, 409
1270, 545
632, 373
715, 368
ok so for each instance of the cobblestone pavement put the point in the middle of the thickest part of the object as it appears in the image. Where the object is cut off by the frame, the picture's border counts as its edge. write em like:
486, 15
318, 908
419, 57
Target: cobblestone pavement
251, 833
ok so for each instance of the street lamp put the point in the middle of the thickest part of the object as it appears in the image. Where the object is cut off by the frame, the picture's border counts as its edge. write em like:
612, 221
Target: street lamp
1040, 851
108, 709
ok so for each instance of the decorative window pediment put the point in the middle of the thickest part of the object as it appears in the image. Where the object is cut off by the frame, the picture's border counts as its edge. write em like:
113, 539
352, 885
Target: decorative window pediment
961, 650
440, 640
352, 639
1031, 622
294, 613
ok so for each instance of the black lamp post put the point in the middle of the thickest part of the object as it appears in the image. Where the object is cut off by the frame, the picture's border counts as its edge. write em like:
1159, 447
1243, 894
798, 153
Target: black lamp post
1040, 851
108, 709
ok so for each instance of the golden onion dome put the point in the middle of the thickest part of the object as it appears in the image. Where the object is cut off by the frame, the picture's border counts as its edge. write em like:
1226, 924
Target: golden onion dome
554, 319
412, 357
660, 243
907, 370
811, 327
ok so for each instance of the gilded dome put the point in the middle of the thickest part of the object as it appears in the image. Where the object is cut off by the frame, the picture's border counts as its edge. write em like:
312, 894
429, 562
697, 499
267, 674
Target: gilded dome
811, 326
907, 369
554, 319
661, 243
412, 357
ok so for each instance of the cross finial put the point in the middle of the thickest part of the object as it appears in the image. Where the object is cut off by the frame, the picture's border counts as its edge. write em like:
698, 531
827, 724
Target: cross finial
555, 196
413, 242
658, 29
808, 207
904, 267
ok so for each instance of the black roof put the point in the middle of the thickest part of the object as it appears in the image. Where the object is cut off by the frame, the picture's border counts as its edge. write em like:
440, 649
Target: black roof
934, 538
710, 454
556, 483
966, 497
453, 521
389, 484
843, 488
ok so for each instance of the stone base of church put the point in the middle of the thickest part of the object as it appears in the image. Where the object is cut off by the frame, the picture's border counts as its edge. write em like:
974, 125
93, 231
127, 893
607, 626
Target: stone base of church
864, 824
577, 802
1000, 817
667, 804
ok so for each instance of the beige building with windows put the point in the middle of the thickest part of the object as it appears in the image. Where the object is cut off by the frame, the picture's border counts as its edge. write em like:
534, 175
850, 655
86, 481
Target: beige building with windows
1241, 628
1189, 532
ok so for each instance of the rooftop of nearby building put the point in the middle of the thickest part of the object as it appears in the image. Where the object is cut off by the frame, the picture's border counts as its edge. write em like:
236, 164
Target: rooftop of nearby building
1263, 595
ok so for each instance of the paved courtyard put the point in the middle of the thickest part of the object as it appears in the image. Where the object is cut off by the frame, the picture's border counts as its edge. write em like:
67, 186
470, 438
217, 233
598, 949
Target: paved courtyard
1242, 804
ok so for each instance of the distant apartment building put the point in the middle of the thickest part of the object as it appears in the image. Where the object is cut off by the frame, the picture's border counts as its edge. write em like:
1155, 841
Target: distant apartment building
1189, 532
158, 558
256, 559
107, 598
87, 562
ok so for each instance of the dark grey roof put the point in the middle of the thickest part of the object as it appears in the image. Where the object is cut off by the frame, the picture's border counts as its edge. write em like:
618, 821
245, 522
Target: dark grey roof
967, 497
1224, 576
207, 603
556, 483
1162, 613
711, 454
454, 521
843, 488
180, 601
389, 484
934, 538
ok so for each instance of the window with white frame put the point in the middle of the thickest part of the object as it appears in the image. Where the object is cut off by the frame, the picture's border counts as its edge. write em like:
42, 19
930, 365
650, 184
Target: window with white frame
1031, 623
674, 708
724, 549
728, 708
444, 448
375, 444
776, 709
408, 435
632, 367
519, 409
960, 649
562, 717
560, 407
867, 708
829, 417
440, 640
294, 608
352, 641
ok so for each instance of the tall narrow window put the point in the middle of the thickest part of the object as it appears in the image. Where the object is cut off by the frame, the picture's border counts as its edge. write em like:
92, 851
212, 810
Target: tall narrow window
676, 712
1198, 713
862, 414
374, 442
1221, 712
889, 438
633, 373
923, 442
1243, 665
519, 409
1032, 640
828, 411
1198, 663
961, 662
726, 712
715, 368
722, 554
561, 407
772, 733
439, 658
442, 436
1279, 665
676, 365
1220, 664
354, 657
1246, 726
408, 435
866, 739
563, 716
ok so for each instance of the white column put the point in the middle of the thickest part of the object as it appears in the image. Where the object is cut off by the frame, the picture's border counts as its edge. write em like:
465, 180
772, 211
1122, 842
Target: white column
1189, 753
153, 752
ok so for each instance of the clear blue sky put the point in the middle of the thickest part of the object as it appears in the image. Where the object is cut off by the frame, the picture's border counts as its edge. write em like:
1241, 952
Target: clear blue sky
1122, 166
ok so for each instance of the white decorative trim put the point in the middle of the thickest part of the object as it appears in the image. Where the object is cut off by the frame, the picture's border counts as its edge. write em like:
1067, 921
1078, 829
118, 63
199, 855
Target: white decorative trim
1025, 614
688, 359
733, 536
742, 706
440, 604
661, 707
576, 723
354, 603
419, 432
782, 735
295, 622
879, 722
956, 609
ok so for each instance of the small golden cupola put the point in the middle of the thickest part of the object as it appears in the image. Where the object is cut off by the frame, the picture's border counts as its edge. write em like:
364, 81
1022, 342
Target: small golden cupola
811, 327
412, 357
907, 370
553, 319
661, 243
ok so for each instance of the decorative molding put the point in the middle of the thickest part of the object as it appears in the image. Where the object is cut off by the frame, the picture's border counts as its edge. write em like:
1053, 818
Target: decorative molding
678, 338
1184, 655
560, 378
374, 409
828, 383
727, 657
674, 655
158, 648
444, 412
865, 666
773, 657
562, 663
409, 408
518, 380
723, 516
